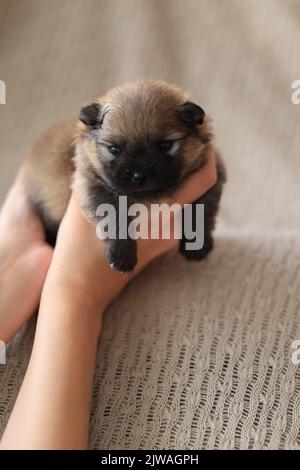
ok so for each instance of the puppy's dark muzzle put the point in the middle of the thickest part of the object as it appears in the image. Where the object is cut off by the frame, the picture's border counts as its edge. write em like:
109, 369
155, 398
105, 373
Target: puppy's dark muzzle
139, 177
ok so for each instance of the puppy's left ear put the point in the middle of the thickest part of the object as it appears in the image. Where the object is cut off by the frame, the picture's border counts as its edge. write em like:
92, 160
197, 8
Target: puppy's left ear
91, 115
191, 113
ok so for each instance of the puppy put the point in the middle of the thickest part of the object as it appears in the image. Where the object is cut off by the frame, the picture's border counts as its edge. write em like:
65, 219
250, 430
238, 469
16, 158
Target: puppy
140, 140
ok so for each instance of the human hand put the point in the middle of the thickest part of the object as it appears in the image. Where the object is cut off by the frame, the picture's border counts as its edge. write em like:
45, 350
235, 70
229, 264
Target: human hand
24, 260
79, 262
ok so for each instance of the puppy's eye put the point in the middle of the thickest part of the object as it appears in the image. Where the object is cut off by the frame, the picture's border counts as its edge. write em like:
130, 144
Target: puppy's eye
164, 145
114, 149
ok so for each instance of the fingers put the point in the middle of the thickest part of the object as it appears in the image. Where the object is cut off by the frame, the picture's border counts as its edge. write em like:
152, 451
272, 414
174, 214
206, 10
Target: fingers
198, 184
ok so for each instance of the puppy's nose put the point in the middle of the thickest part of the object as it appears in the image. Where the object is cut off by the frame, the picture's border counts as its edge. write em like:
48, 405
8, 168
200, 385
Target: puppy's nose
138, 177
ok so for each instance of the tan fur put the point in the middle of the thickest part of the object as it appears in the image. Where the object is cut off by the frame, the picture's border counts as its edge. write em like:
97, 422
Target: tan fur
49, 167
153, 113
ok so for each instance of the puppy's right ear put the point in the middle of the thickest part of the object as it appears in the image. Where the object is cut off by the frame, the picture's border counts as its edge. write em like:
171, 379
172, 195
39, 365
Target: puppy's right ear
191, 113
91, 115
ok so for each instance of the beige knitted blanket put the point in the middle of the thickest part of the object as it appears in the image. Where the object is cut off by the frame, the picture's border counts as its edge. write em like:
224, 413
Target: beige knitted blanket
192, 356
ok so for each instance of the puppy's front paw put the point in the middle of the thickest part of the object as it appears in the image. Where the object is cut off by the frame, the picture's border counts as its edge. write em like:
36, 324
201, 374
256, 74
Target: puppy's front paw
122, 255
197, 255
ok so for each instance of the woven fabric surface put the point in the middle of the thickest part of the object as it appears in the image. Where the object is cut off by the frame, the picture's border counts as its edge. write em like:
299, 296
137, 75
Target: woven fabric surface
191, 355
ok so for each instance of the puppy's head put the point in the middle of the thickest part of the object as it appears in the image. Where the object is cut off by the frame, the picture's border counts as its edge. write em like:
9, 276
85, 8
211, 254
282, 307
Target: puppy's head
143, 138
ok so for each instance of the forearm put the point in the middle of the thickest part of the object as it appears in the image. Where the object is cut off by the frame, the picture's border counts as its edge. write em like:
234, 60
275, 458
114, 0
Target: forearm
52, 409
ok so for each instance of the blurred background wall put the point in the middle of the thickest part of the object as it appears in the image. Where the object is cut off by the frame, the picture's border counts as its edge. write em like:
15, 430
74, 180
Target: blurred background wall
238, 58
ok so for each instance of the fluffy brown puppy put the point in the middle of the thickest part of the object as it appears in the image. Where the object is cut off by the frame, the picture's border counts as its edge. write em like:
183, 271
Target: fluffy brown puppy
140, 140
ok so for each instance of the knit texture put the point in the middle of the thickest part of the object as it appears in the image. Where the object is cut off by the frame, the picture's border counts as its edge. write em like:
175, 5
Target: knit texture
192, 356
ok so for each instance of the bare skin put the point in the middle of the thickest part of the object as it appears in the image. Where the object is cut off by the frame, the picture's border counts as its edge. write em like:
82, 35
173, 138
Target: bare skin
24, 261
53, 406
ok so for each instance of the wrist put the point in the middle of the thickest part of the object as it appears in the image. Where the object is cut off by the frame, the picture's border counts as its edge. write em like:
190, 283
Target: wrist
94, 281
79, 305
